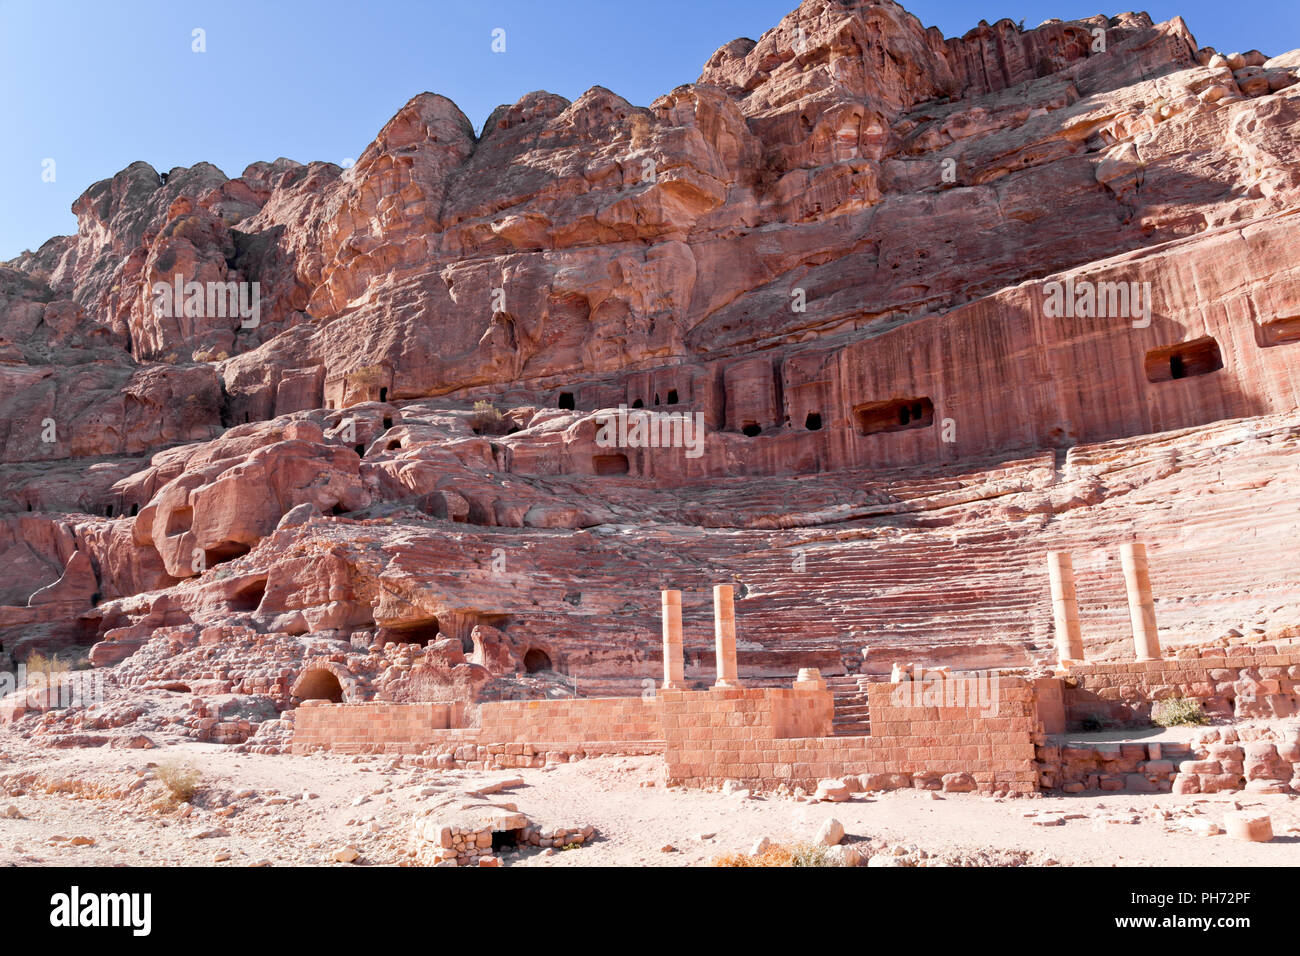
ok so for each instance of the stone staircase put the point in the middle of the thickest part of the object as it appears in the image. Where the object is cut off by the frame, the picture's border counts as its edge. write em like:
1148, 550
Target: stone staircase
852, 718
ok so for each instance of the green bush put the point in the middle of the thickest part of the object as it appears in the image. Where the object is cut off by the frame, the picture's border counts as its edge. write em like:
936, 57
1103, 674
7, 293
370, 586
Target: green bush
1178, 712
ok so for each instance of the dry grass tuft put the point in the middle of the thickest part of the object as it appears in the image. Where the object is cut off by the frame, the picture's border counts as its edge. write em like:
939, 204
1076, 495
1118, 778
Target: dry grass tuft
180, 779
487, 419
781, 854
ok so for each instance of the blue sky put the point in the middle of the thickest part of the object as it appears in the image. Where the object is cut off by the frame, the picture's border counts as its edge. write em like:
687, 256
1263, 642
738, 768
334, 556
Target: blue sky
95, 86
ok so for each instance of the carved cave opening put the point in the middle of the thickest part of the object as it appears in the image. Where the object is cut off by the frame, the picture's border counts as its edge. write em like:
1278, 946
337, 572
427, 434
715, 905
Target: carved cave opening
1185, 360
536, 660
1281, 331
422, 632
566, 401
813, 422
614, 464
179, 521
249, 597
894, 415
751, 429
226, 551
320, 685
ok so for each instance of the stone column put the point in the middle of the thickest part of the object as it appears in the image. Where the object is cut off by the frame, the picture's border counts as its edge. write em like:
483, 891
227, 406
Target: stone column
1141, 607
724, 635
674, 669
1065, 607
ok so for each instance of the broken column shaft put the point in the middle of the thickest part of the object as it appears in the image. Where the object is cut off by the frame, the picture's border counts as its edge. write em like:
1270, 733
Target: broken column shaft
1065, 607
674, 668
724, 635
1141, 606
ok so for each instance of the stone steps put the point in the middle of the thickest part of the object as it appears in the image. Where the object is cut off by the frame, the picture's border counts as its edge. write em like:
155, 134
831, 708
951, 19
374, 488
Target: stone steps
852, 717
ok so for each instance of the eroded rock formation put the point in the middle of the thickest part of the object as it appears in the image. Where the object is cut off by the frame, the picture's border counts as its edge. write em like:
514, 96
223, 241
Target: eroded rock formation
837, 248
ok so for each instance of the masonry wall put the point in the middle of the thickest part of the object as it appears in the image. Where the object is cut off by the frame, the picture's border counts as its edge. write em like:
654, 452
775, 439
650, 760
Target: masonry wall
624, 719
357, 728
506, 728
765, 737
731, 734
1246, 681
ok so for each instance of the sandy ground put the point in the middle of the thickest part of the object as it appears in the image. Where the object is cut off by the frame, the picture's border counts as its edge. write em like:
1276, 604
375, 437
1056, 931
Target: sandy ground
296, 810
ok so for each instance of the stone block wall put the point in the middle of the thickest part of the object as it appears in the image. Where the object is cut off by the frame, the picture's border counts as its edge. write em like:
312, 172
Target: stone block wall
624, 719
369, 727
731, 734
1245, 681
510, 733
765, 737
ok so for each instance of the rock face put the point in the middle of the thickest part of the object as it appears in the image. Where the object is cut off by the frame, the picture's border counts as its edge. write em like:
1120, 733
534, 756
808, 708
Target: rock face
924, 308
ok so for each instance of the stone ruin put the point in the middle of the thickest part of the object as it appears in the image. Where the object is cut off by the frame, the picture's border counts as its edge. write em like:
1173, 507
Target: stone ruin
456, 832
935, 307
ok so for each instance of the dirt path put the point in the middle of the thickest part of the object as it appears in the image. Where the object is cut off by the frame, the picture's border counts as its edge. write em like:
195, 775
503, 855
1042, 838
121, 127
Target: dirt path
293, 810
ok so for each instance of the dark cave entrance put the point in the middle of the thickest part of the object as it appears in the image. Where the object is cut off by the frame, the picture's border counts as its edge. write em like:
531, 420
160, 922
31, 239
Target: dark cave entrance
1185, 360
249, 597
422, 633
613, 464
894, 416
502, 839
226, 551
320, 685
536, 660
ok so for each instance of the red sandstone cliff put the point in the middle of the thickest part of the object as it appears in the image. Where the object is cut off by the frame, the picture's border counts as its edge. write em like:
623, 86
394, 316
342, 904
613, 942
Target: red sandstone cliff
836, 246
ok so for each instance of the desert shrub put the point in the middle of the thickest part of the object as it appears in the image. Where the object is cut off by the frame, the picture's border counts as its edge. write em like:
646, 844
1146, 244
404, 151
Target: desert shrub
1178, 712
775, 855
36, 661
779, 854
812, 854
180, 779
486, 419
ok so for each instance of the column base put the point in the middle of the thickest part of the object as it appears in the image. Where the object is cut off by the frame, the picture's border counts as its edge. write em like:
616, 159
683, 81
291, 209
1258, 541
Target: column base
726, 683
